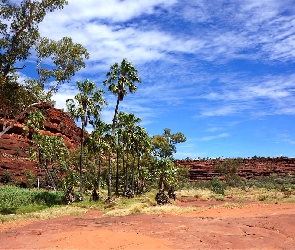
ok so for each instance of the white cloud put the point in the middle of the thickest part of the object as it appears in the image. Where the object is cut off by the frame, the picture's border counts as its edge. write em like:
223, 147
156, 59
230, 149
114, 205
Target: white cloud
286, 138
214, 137
186, 52
114, 10
271, 94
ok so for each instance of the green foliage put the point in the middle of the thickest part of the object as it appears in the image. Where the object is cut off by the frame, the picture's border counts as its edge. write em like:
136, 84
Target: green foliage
121, 77
13, 198
6, 178
30, 178
51, 149
164, 146
35, 122
87, 103
16, 152
71, 179
167, 172
273, 182
217, 186
19, 39
229, 168
89, 176
182, 176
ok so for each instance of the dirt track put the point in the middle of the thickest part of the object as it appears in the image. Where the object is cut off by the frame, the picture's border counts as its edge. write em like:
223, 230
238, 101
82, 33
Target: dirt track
253, 226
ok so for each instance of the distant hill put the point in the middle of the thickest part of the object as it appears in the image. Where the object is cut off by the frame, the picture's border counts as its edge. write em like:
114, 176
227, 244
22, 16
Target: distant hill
204, 169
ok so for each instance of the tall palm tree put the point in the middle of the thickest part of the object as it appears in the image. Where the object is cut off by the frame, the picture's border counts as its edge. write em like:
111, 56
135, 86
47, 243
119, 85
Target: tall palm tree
85, 106
120, 78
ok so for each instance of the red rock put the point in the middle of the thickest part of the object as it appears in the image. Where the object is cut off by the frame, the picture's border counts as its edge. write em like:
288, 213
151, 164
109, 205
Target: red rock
14, 145
249, 168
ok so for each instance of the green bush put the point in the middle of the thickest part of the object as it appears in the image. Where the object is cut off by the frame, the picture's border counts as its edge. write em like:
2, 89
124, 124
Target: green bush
30, 178
13, 198
273, 182
229, 169
6, 177
217, 186
202, 184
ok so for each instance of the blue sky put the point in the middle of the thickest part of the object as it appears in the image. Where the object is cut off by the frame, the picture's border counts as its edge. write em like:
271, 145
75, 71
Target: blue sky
222, 72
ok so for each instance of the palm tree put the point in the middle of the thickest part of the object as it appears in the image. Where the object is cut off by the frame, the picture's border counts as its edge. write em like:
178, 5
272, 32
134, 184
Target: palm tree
119, 79
98, 145
85, 105
142, 145
127, 123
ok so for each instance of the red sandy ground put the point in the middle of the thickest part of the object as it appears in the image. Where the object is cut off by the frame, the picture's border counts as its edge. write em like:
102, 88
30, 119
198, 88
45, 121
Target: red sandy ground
253, 226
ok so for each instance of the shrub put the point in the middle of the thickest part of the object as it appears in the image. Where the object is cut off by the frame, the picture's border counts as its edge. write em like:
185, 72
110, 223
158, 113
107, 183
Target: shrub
13, 197
6, 178
16, 152
30, 178
217, 186
229, 168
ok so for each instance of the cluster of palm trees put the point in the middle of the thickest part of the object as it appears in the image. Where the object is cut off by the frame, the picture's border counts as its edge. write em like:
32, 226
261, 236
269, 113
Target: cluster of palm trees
119, 141
122, 151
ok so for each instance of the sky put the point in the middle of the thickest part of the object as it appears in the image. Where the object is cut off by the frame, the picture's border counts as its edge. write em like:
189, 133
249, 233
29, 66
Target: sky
222, 72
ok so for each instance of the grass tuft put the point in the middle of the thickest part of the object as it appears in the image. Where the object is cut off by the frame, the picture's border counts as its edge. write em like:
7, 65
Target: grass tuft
145, 209
48, 213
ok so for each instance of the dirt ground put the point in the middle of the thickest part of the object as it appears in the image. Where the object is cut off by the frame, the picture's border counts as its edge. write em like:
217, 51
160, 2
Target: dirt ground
213, 226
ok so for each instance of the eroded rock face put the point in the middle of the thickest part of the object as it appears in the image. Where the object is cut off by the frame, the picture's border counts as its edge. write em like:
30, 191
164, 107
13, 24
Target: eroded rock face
14, 145
249, 168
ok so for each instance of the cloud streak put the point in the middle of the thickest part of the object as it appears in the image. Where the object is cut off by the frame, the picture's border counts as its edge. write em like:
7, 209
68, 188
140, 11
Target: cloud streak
214, 137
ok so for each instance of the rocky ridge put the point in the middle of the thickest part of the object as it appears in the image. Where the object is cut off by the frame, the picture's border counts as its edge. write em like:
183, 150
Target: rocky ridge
204, 169
14, 145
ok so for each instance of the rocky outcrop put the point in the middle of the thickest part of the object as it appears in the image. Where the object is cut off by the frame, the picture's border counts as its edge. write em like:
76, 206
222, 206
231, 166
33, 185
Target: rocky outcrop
14, 145
249, 168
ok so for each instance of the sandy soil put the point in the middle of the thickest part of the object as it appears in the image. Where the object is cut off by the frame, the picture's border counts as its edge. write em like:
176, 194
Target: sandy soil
252, 226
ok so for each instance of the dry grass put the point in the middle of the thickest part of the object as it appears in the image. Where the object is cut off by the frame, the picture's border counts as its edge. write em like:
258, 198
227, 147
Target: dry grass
204, 194
261, 194
232, 205
168, 209
146, 209
49, 213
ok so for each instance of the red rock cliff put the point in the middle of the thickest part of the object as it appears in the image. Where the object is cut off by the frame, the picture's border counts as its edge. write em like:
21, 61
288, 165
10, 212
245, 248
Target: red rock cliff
249, 168
14, 145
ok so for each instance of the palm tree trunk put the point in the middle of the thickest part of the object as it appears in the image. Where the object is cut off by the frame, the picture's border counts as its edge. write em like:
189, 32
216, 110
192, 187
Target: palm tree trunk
81, 157
110, 179
117, 170
110, 167
126, 172
115, 116
133, 170
138, 172
98, 173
